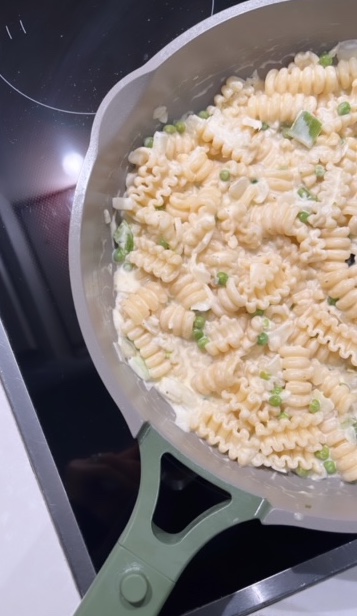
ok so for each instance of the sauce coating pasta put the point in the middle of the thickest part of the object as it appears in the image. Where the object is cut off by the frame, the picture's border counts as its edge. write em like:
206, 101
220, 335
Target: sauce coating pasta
236, 286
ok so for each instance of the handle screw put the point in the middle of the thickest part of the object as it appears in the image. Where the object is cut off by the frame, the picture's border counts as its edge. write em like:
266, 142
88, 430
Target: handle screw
134, 587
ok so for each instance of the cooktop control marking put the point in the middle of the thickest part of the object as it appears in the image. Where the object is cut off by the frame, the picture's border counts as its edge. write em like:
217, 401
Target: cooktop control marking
8, 31
23, 27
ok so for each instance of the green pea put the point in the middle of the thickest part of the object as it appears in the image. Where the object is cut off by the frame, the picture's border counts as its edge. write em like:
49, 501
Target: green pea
275, 400
164, 244
283, 416
119, 255
202, 342
331, 301
149, 142
203, 114
320, 171
180, 127
225, 175
266, 323
302, 472
303, 216
265, 126
169, 128
323, 454
263, 339
344, 109
199, 322
277, 390
258, 313
285, 131
304, 193
265, 375
314, 406
222, 279
330, 467
198, 333
326, 60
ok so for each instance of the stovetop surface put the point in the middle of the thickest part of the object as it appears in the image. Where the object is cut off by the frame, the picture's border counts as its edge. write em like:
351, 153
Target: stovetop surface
57, 61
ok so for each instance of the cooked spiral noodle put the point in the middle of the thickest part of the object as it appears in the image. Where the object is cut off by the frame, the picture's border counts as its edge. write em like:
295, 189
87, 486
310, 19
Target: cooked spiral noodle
230, 299
161, 225
152, 187
271, 285
347, 296
319, 351
155, 259
174, 318
196, 166
310, 80
247, 234
303, 298
336, 336
198, 233
190, 292
139, 305
335, 186
229, 439
218, 132
340, 123
312, 246
341, 285
230, 216
303, 438
349, 160
304, 58
280, 448
297, 373
224, 335
343, 451
246, 403
216, 377
206, 200
219, 255
155, 358
329, 382
232, 89
279, 107
173, 145
275, 220
337, 244
350, 211
280, 180
308, 174
181, 205
290, 460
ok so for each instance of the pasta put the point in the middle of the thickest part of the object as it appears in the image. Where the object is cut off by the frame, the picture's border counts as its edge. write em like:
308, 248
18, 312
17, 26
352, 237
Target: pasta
236, 282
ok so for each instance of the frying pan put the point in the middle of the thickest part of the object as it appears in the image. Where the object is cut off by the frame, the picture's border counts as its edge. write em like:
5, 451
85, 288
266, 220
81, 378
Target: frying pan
185, 75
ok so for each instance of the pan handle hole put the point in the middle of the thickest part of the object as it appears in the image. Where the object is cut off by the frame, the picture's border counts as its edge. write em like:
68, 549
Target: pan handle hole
183, 496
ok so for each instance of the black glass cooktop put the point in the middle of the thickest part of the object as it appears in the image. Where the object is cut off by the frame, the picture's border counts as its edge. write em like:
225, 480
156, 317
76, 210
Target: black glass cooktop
57, 61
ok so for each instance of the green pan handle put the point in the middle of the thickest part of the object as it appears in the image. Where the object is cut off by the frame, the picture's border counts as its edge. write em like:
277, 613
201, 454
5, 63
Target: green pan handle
143, 567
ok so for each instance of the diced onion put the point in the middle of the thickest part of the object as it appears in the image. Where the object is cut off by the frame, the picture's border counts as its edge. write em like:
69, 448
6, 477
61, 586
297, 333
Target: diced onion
346, 50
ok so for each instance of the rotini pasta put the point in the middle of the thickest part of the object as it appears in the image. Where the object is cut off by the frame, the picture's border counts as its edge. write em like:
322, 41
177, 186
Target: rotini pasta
236, 285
